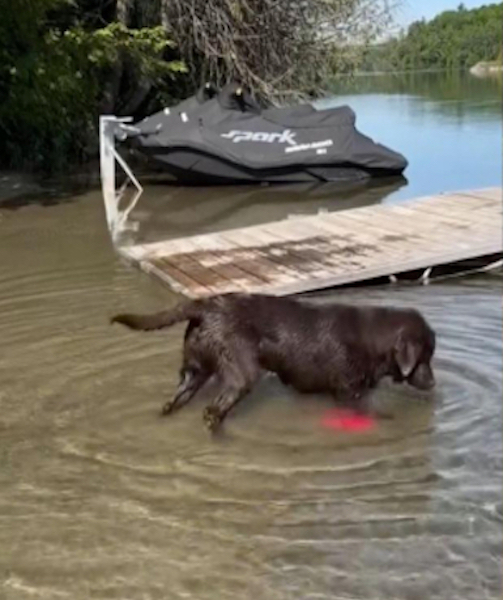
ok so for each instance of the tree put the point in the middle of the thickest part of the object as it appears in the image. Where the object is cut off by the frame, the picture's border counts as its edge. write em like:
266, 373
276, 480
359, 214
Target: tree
276, 47
58, 72
453, 39
63, 62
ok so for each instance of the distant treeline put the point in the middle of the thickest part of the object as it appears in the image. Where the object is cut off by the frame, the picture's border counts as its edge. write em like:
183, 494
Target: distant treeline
453, 39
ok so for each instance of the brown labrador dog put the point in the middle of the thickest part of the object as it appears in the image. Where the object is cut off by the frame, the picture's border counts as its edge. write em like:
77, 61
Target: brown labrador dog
340, 349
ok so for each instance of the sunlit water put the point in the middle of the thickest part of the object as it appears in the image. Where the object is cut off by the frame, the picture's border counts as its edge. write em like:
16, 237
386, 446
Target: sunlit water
102, 498
448, 125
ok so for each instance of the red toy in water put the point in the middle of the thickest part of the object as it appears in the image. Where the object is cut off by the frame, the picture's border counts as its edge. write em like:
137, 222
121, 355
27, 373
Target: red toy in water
347, 420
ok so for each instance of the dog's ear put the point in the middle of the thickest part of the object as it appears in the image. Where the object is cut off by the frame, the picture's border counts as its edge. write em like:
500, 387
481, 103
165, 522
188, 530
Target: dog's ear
406, 354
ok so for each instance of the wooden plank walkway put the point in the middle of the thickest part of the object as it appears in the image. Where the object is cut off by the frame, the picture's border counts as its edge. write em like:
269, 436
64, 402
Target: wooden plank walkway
305, 253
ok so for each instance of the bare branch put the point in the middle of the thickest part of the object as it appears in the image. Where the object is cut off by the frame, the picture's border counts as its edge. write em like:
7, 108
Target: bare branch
271, 44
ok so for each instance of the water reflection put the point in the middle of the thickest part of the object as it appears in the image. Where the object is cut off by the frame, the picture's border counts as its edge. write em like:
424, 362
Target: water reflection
445, 90
448, 125
169, 211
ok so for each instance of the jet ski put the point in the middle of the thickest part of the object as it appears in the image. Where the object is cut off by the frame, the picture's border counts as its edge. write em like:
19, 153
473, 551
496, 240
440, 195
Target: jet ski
226, 137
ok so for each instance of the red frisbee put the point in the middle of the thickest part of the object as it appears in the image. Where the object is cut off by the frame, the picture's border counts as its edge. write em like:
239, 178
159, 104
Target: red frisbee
347, 420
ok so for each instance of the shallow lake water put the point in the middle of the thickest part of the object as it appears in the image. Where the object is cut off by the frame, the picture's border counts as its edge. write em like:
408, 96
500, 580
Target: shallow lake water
102, 498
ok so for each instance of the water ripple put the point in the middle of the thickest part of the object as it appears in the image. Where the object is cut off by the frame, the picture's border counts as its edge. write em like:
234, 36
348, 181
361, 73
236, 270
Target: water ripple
101, 497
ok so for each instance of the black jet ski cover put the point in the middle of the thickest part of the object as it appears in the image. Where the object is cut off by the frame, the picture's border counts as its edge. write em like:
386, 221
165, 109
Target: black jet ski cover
228, 138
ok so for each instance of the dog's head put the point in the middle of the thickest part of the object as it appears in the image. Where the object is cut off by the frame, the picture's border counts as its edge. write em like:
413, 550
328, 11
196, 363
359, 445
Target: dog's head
412, 354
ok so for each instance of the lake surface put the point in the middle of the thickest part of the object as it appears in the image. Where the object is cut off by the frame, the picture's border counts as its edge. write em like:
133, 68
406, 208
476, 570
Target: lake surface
448, 125
101, 498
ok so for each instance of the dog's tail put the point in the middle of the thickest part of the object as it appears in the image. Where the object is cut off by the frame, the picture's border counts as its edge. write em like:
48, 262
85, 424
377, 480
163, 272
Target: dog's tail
186, 311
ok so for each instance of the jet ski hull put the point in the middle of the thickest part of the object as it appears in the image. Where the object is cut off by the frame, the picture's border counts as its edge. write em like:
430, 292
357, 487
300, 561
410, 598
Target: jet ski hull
207, 169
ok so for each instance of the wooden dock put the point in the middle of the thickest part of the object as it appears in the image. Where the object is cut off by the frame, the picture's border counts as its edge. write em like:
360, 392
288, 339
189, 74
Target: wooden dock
305, 253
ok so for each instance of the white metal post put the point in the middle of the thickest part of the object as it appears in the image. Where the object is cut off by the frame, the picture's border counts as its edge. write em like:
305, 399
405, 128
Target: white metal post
110, 127
107, 167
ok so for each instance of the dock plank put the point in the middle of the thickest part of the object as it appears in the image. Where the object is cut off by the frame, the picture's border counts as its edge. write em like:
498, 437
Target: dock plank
311, 252
262, 255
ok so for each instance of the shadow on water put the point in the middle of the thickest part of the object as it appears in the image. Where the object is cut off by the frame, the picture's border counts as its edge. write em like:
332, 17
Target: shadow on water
19, 190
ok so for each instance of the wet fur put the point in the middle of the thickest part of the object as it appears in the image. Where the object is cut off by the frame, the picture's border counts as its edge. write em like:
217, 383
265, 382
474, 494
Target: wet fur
340, 349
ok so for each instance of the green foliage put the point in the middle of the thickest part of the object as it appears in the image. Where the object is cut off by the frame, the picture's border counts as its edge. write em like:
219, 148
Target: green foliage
453, 39
144, 47
64, 62
52, 78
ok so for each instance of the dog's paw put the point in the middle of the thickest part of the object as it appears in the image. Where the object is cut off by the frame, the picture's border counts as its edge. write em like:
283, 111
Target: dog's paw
384, 415
168, 408
212, 417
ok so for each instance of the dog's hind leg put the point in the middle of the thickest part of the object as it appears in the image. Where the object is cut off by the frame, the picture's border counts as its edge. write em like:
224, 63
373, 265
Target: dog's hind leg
193, 374
192, 380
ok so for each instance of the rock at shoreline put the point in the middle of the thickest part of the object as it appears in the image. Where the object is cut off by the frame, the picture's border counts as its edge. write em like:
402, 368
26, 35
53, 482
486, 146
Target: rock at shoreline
486, 68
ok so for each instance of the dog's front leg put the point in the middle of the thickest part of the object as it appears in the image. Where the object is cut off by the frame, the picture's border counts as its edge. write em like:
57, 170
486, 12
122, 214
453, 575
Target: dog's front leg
215, 413
231, 394
362, 404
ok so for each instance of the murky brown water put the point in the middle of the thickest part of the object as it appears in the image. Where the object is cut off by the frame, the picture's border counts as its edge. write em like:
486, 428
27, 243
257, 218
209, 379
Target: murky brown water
101, 498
